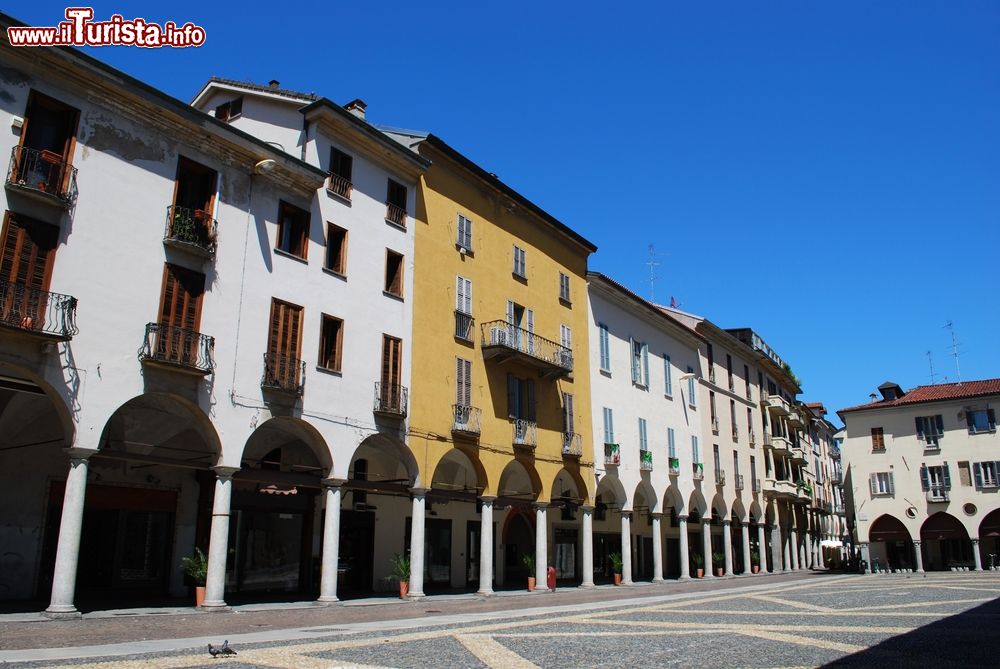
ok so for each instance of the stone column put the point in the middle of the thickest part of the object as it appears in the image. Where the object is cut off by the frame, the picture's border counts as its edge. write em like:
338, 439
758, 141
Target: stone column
975, 554
803, 557
626, 547
706, 545
218, 542
486, 546
331, 541
727, 545
762, 547
682, 524
918, 555
657, 549
587, 559
745, 531
70, 528
786, 563
541, 547
777, 549
417, 519
793, 548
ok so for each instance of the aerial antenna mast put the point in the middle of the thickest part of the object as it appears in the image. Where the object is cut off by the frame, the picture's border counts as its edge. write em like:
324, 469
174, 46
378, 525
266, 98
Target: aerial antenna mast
954, 349
930, 360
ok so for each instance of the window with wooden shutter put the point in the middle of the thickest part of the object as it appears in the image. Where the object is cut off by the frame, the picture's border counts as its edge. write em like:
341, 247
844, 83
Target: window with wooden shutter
878, 439
180, 314
569, 421
25, 270
393, 273
605, 346
463, 382
331, 345
464, 240
48, 132
336, 249
293, 230
392, 352
284, 344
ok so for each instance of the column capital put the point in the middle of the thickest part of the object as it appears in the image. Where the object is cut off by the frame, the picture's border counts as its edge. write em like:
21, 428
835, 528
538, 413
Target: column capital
916, 542
658, 515
419, 492
587, 508
77, 454
726, 522
333, 482
487, 499
974, 540
706, 521
540, 506
627, 513
225, 473
682, 520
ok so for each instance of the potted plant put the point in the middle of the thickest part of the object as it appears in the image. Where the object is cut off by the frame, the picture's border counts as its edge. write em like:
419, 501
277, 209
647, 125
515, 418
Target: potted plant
528, 561
718, 561
755, 560
195, 567
401, 573
699, 563
616, 566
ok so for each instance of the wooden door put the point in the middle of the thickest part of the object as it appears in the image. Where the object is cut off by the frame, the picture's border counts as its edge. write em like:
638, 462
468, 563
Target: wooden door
180, 315
284, 345
392, 351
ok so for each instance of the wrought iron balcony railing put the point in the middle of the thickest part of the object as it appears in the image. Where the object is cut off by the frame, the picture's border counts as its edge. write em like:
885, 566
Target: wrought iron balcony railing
937, 494
340, 186
715, 425
675, 466
283, 373
612, 454
395, 214
525, 432
646, 461
466, 419
42, 172
390, 399
500, 337
572, 444
698, 471
191, 229
37, 311
720, 477
756, 485
171, 345
463, 325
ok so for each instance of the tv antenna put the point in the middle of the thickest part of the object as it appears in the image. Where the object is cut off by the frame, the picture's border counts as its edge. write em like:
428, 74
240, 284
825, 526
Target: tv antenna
954, 349
653, 263
930, 360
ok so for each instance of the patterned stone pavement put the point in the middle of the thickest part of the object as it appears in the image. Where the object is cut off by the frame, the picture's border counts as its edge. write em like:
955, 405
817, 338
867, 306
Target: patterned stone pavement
939, 620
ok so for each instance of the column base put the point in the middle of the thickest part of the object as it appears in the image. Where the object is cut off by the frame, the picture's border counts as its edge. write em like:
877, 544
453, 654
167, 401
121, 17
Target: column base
62, 612
588, 585
729, 573
684, 577
657, 579
485, 592
327, 601
214, 607
415, 595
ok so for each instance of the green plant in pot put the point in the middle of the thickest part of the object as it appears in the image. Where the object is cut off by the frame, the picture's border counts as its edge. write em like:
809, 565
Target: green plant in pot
195, 567
528, 560
616, 566
401, 572
719, 562
699, 564
755, 560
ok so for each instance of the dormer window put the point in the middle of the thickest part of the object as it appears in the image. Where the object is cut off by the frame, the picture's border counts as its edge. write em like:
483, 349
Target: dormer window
229, 111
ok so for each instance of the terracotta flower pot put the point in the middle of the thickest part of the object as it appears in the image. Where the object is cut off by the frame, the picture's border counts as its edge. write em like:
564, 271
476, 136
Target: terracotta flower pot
756, 568
531, 583
718, 571
199, 595
404, 588
700, 572
618, 579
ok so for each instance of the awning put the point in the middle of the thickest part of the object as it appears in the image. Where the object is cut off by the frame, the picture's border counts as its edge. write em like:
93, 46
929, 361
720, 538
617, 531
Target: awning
831, 543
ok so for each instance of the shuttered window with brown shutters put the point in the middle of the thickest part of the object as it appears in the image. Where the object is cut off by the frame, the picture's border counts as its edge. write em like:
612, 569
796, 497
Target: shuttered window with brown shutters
283, 368
180, 314
25, 269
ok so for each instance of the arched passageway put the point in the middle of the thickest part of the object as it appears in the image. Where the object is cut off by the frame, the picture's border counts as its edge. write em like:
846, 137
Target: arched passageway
890, 544
989, 540
609, 502
946, 543
518, 489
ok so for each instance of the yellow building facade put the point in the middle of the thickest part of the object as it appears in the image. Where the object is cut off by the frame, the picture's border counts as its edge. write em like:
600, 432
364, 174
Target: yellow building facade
500, 392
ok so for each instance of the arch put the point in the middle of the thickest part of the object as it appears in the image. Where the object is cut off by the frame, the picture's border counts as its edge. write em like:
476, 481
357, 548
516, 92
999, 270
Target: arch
756, 513
519, 481
610, 483
456, 471
719, 506
945, 542
393, 460
567, 487
672, 499
22, 380
739, 512
644, 490
162, 422
941, 526
301, 446
989, 527
696, 503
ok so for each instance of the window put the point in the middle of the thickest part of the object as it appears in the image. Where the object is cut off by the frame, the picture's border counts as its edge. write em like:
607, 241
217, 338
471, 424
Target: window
711, 411
564, 287
520, 263
566, 337
668, 382
640, 363
569, 420
463, 382
282, 368
985, 474
341, 168
602, 330
729, 371
463, 308
609, 426
692, 398
716, 460
711, 364
746, 377
464, 240
336, 249
520, 398
229, 111
980, 420
194, 199
881, 484
29, 248
671, 445
732, 419
736, 463
331, 343
750, 424
878, 439
695, 455
395, 203
293, 230
393, 273
643, 443
391, 397
753, 473
935, 481
180, 315
930, 429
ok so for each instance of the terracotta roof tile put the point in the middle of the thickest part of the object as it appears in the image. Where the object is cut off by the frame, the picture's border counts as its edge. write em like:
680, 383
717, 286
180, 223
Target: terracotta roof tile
934, 393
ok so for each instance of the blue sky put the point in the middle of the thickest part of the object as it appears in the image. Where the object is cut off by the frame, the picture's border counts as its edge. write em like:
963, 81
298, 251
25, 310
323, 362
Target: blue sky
827, 173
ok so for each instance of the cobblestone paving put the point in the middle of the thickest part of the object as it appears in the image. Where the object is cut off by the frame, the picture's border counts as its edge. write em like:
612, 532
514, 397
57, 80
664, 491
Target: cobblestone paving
940, 620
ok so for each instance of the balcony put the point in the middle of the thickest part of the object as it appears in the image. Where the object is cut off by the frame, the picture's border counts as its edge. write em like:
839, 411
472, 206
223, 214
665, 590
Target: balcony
37, 312
720, 477
466, 420
283, 374
752, 438
795, 419
781, 445
780, 489
612, 455
755, 483
698, 471
834, 451
525, 433
839, 509
390, 400
339, 186
836, 478
675, 466
937, 494
184, 350
572, 445
715, 425
463, 325
799, 455
739, 482
777, 404
191, 230
646, 461
505, 342
43, 175
395, 214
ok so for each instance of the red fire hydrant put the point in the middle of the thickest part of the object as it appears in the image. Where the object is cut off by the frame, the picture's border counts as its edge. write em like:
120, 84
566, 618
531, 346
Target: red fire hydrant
551, 578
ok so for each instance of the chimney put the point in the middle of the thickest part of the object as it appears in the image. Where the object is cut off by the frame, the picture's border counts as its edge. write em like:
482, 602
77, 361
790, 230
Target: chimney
872, 397
273, 84
357, 107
